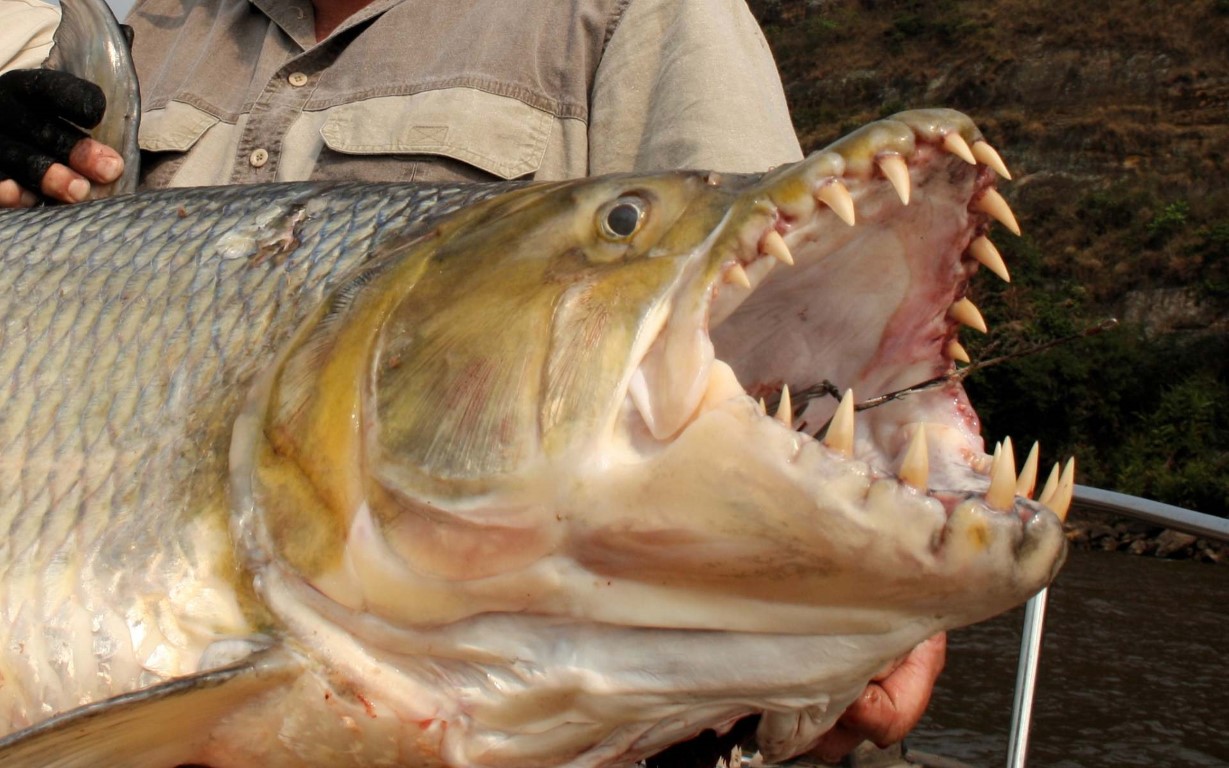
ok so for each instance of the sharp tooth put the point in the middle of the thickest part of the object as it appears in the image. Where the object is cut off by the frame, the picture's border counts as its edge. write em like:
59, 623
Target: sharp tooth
955, 143
1002, 491
896, 170
785, 411
774, 245
915, 469
1050, 488
837, 197
966, 312
956, 351
987, 154
839, 436
738, 276
993, 204
984, 251
1061, 503
1028, 475
763, 407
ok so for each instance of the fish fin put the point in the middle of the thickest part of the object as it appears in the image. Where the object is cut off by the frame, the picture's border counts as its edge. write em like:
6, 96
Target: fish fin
91, 44
165, 724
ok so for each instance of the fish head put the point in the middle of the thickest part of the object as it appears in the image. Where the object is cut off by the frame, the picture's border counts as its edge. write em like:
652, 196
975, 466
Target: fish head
525, 453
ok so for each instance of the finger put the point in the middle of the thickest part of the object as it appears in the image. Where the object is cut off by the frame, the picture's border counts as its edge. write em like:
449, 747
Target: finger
33, 169
96, 161
890, 708
835, 744
13, 195
53, 92
23, 163
62, 183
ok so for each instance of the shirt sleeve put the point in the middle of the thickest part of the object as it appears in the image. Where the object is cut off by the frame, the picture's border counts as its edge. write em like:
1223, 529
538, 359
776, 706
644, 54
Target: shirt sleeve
26, 27
688, 84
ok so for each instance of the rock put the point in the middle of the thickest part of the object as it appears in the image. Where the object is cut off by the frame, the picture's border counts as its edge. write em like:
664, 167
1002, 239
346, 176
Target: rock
1140, 546
1171, 543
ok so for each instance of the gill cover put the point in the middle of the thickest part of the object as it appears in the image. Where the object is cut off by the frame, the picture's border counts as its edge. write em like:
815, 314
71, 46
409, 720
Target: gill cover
414, 420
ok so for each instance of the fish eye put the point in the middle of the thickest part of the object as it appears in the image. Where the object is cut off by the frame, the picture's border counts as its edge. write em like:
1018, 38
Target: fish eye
621, 219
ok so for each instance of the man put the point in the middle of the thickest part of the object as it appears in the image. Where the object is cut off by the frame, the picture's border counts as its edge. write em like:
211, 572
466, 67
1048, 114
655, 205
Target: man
239, 92
393, 90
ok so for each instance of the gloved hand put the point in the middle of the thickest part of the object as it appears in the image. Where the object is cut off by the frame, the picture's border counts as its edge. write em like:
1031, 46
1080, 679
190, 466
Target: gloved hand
41, 148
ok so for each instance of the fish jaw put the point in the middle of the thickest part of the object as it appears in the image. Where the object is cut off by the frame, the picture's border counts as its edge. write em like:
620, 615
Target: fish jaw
902, 516
629, 491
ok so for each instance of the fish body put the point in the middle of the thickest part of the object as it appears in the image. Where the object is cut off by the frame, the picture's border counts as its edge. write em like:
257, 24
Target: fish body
132, 330
399, 475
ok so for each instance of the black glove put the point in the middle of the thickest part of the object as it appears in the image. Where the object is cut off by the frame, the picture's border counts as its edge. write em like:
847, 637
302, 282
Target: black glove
40, 111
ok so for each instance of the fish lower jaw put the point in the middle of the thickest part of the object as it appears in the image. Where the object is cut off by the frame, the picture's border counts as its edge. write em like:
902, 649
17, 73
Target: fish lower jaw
514, 689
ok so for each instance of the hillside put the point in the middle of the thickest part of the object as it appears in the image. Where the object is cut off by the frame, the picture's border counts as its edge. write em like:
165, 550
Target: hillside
1116, 126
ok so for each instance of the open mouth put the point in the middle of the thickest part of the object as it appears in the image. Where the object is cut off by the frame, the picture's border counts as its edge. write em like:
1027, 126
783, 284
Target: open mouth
835, 296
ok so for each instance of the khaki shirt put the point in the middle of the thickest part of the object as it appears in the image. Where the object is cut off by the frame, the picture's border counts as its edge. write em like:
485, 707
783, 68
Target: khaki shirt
25, 32
239, 91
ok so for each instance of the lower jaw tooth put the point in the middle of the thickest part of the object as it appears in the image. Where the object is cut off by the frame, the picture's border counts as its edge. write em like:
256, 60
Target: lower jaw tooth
1002, 492
1028, 475
1059, 490
915, 468
840, 433
785, 411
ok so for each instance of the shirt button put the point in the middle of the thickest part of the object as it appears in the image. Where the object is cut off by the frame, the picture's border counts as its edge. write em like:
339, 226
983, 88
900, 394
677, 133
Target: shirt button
297, 79
258, 157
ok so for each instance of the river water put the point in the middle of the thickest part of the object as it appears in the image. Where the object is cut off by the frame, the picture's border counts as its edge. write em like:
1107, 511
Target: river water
1132, 672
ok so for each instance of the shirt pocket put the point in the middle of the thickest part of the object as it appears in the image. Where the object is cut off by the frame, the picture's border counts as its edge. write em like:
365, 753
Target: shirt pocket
446, 134
166, 134
173, 128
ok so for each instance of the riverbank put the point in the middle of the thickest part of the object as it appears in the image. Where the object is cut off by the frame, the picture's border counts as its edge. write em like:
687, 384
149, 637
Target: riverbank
1098, 531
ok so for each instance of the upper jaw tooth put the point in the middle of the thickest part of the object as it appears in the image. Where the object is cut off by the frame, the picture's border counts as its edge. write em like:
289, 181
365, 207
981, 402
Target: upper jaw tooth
992, 204
836, 196
987, 155
955, 143
896, 170
774, 245
736, 275
966, 312
988, 256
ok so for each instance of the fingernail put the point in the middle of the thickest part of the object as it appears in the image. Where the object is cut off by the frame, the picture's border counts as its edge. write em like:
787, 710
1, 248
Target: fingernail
28, 199
109, 169
78, 190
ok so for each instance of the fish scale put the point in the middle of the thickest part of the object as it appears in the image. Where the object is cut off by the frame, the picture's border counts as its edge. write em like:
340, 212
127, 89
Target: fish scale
116, 356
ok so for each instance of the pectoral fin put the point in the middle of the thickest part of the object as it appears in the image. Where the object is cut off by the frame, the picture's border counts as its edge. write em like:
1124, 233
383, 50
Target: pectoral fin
164, 725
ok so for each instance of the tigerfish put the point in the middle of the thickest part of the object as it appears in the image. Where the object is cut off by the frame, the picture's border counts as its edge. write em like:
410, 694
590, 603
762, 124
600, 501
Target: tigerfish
358, 475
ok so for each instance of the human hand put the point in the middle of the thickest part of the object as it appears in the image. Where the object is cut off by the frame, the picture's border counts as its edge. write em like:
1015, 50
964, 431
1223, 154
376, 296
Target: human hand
891, 705
41, 147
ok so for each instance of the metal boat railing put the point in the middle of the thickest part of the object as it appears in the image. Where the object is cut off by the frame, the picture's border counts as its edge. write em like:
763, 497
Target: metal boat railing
1154, 512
